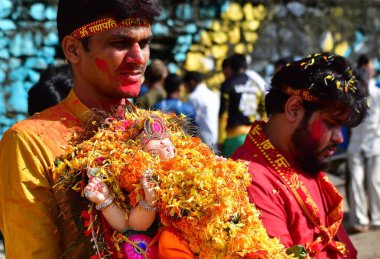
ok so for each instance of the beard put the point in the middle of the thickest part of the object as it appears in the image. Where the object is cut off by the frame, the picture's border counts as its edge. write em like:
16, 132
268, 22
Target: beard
307, 153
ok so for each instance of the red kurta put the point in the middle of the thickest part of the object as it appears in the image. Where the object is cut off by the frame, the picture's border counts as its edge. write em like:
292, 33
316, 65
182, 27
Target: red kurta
281, 213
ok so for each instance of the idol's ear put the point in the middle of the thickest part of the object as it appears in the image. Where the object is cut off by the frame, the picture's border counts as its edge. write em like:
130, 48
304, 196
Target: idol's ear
72, 49
294, 110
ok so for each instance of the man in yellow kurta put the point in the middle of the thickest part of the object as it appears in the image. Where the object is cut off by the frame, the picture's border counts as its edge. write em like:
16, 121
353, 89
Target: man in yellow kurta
107, 45
29, 209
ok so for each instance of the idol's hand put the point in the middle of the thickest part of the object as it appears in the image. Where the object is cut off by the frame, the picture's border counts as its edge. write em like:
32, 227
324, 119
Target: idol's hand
220, 158
96, 191
148, 186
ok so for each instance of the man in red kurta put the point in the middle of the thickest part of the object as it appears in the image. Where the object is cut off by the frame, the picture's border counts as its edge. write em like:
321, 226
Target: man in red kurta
307, 104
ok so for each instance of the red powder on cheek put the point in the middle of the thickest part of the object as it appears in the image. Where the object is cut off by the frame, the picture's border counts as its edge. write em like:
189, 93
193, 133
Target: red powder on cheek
317, 129
103, 66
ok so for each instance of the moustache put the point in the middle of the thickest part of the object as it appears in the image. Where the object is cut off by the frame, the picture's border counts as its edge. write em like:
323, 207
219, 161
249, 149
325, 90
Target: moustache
132, 68
332, 146
329, 147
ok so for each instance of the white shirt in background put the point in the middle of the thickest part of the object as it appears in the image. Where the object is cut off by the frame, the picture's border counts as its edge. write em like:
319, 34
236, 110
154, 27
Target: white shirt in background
206, 104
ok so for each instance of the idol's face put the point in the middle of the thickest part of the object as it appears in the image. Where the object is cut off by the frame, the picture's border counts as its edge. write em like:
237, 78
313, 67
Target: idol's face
315, 140
163, 148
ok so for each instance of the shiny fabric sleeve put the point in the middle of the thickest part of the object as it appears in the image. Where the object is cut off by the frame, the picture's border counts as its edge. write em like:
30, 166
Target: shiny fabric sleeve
171, 246
28, 217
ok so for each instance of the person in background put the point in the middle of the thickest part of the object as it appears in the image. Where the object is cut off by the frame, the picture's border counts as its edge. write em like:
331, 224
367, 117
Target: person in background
155, 75
206, 104
54, 85
308, 102
226, 68
107, 65
173, 103
227, 72
363, 156
366, 68
242, 101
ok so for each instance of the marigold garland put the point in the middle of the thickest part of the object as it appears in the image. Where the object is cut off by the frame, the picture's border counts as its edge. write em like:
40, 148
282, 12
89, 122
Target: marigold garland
201, 195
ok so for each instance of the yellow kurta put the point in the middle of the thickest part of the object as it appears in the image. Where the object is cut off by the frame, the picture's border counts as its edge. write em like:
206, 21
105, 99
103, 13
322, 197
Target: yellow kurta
33, 216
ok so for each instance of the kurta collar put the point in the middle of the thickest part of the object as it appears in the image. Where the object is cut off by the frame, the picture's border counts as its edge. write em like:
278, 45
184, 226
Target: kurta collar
76, 106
